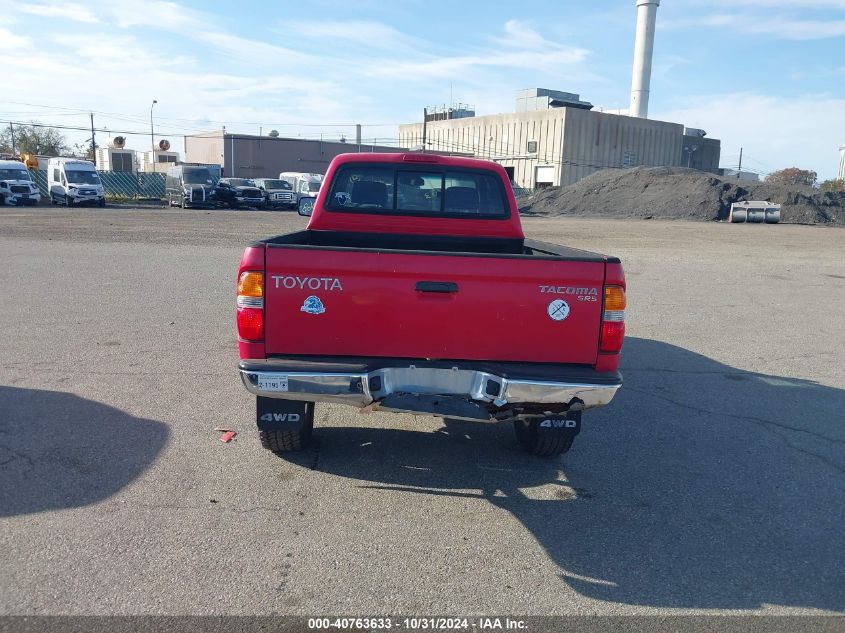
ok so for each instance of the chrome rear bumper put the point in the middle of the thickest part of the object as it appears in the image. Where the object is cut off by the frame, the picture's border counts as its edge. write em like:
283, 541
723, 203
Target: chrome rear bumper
369, 387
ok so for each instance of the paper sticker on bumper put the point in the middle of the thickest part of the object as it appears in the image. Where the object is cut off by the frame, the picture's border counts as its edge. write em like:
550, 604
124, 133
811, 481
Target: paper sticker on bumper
272, 383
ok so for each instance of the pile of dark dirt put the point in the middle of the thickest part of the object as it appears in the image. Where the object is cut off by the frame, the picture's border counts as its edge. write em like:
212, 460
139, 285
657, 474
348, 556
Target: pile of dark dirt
679, 193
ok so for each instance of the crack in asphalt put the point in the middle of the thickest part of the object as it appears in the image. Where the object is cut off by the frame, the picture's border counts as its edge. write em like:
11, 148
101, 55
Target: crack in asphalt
761, 422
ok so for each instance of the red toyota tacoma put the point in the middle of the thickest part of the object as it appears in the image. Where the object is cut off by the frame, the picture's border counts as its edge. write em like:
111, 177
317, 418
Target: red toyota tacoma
414, 289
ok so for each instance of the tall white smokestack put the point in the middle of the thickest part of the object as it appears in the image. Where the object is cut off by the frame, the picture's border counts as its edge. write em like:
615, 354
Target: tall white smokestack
643, 49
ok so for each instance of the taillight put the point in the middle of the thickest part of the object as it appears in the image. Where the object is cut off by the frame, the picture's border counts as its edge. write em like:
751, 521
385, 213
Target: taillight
613, 320
251, 305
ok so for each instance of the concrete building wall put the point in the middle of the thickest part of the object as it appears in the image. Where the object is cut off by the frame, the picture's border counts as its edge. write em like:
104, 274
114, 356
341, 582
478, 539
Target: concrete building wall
595, 140
702, 153
500, 137
204, 148
247, 156
572, 142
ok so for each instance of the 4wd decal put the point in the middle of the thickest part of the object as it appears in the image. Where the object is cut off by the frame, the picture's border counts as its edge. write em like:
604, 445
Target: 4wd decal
294, 282
280, 417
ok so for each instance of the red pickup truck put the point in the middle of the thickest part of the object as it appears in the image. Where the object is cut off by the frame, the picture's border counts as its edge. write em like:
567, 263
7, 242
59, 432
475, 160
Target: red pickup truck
414, 289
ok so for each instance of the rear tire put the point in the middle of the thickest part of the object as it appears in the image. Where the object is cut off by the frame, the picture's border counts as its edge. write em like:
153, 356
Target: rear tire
290, 441
528, 436
286, 441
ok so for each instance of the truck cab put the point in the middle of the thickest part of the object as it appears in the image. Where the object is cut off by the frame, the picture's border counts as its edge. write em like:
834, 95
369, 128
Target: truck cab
189, 186
414, 289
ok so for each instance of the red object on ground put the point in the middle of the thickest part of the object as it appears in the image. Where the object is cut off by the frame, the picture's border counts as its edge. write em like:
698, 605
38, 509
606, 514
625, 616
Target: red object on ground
227, 436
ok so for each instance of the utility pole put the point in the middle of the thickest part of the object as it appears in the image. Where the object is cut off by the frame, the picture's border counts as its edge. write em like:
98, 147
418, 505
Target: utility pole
739, 169
12, 136
425, 119
93, 144
152, 137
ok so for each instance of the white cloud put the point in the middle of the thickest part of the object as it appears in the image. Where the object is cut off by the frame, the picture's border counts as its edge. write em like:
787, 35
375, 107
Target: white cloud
371, 72
798, 29
775, 132
12, 41
64, 10
521, 35
366, 33
783, 19
158, 14
784, 4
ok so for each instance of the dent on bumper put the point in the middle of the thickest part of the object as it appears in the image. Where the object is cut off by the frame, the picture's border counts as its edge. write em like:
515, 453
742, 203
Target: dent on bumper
362, 389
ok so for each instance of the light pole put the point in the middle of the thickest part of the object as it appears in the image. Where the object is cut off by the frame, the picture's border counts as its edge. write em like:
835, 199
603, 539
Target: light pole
690, 149
152, 136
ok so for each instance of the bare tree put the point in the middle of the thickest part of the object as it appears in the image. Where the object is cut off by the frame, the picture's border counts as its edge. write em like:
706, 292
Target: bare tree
792, 176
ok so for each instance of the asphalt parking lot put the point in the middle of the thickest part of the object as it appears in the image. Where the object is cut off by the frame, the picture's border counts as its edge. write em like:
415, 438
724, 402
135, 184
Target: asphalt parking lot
713, 482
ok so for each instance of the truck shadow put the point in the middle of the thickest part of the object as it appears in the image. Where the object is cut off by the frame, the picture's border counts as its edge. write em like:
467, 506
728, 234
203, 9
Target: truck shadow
700, 486
58, 450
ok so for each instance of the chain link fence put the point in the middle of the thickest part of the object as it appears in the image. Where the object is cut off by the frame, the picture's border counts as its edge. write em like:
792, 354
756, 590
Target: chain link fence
118, 185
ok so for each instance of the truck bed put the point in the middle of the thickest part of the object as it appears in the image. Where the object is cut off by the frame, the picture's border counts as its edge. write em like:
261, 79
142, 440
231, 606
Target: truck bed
433, 244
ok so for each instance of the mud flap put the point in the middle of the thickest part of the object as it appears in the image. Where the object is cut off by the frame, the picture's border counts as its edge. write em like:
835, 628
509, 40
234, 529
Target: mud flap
274, 414
563, 425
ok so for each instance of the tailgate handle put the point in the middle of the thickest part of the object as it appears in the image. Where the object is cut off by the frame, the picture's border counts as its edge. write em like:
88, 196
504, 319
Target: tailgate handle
437, 286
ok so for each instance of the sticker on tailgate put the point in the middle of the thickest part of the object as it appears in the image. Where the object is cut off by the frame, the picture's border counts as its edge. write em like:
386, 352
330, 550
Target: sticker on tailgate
558, 310
313, 305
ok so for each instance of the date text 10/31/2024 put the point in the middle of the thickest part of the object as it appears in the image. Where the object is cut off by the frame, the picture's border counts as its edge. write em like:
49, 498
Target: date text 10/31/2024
419, 624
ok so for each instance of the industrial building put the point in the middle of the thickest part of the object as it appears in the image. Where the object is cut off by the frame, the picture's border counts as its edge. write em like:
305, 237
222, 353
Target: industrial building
116, 157
248, 156
556, 138
751, 176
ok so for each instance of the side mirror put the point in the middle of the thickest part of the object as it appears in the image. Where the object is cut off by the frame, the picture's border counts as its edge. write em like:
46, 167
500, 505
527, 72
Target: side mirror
306, 206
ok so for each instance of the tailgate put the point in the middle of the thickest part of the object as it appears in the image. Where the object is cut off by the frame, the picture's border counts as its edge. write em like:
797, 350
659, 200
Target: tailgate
350, 303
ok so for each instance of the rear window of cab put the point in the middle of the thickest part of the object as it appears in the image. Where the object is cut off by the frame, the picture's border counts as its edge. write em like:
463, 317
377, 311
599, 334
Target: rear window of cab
422, 191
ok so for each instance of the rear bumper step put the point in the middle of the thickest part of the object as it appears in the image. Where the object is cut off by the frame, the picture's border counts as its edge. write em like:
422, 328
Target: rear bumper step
416, 387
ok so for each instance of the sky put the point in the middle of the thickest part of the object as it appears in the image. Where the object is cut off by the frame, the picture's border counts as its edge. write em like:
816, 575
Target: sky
767, 76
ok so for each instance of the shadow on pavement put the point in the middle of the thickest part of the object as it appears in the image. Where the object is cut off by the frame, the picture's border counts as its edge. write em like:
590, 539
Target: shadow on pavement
700, 486
58, 450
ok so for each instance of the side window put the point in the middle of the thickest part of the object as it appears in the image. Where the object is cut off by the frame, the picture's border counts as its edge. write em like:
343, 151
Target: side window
56, 176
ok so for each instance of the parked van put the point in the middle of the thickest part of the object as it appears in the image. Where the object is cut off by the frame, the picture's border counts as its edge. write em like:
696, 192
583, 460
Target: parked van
303, 185
73, 181
16, 185
190, 186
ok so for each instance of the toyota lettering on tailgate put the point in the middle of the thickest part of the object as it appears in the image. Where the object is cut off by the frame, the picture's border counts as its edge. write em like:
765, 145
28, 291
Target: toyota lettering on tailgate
291, 282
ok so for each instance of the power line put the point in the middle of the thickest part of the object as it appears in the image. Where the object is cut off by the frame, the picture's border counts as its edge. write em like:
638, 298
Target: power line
141, 118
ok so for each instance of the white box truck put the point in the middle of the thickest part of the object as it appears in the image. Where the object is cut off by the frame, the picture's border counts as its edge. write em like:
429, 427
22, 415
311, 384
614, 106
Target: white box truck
73, 181
303, 185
